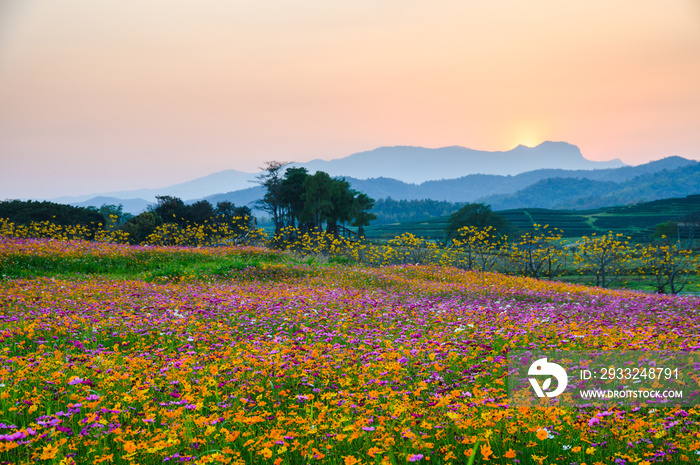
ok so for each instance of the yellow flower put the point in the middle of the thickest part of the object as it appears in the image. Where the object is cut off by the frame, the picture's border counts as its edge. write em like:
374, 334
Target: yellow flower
48, 452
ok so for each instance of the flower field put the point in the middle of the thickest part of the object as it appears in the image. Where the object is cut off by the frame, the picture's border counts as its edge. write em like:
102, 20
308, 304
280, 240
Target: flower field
149, 355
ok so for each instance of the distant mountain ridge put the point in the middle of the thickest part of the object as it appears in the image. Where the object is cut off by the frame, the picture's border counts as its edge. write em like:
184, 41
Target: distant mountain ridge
542, 188
505, 191
584, 194
406, 164
419, 164
477, 186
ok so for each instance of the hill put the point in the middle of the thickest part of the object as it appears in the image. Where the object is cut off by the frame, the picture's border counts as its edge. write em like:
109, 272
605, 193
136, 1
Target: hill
585, 193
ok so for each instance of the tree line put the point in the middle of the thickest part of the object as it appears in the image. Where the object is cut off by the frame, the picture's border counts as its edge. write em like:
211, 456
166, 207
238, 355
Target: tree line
168, 210
296, 199
389, 210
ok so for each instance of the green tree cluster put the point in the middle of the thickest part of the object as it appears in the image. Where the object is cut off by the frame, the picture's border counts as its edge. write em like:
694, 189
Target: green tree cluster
297, 199
390, 211
479, 216
26, 212
172, 210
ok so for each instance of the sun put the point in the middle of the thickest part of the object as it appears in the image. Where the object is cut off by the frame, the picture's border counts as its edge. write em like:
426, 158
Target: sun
529, 134
529, 140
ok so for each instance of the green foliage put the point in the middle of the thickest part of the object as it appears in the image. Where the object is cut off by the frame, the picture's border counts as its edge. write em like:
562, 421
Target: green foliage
113, 216
298, 200
273, 200
26, 212
141, 226
666, 232
477, 215
389, 210
360, 211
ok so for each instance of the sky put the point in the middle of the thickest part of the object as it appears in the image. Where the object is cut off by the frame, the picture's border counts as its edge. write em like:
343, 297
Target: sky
107, 95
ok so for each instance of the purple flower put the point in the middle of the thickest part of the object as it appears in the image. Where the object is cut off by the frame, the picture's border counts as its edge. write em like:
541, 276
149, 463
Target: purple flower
77, 380
415, 457
13, 436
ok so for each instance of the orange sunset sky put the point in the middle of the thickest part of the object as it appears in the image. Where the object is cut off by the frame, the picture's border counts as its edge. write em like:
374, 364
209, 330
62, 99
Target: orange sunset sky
110, 95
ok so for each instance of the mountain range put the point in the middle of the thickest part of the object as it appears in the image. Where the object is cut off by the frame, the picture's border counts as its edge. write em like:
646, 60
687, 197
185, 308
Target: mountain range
406, 164
544, 188
576, 189
418, 164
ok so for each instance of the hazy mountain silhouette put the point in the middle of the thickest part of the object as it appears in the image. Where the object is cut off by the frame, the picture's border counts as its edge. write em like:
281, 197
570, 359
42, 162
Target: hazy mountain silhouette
406, 164
541, 188
581, 193
221, 181
419, 164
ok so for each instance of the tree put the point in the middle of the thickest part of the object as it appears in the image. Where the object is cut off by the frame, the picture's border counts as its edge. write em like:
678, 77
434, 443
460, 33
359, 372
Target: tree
114, 215
141, 226
361, 215
199, 212
537, 253
227, 213
341, 205
292, 191
273, 201
317, 199
670, 265
478, 215
171, 209
666, 232
607, 257
479, 248
26, 212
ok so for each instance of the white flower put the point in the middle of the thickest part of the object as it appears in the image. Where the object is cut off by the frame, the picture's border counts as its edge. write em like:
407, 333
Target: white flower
566, 447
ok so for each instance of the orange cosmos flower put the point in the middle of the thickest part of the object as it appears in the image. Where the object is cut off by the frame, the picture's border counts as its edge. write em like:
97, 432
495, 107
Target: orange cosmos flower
129, 447
486, 451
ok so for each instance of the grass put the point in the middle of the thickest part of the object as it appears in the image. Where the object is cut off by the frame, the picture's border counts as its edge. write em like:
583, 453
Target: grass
150, 264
